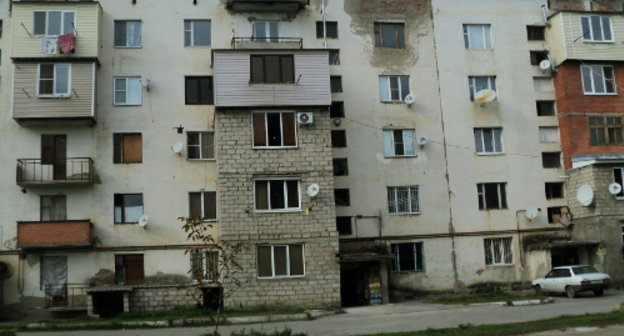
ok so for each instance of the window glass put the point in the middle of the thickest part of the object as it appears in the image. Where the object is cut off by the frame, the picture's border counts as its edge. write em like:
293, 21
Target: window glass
127, 90
389, 35
331, 29
277, 194
197, 33
128, 207
264, 261
127, 34
393, 88
477, 36
274, 129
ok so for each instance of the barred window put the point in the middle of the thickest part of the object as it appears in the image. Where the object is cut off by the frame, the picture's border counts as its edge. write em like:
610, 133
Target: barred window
498, 251
403, 200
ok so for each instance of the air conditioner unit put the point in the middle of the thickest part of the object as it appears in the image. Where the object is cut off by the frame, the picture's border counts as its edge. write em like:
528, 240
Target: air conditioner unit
305, 118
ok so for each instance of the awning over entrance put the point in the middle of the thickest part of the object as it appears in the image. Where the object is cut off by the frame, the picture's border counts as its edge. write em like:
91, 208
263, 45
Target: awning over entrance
363, 251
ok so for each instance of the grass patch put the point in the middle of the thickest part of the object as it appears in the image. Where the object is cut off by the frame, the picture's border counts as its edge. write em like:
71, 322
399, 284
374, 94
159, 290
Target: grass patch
493, 296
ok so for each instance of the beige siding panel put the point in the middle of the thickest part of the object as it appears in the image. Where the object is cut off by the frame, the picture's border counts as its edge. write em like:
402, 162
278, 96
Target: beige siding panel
87, 26
26, 104
232, 88
577, 49
556, 40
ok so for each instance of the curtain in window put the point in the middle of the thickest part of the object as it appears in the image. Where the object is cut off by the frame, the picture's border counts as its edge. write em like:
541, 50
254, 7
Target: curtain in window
264, 261
388, 143
61, 79
296, 259
54, 274
133, 34
408, 142
133, 207
262, 201
384, 88
134, 91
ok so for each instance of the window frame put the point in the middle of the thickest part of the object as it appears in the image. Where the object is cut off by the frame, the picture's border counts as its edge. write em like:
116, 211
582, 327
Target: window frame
205, 265
554, 190
319, 29
268, 37
122, 219
62, 21
202, 202
543, 106
200, 145
547, 163
270, 209
588, 36
125, 22
197, 82
472, 85
335, 60
390, 148
344, 199
266, 130
191, 31
502, 248
592, 68
486, 36
121, 265
263, 80
115, 90
495, 142
402, 83
392, 195
531, 32
605, 134
399, 34
54, 79
119, 137
501, 195
288, 261
335, 84
546, 131
417, 251
619, 196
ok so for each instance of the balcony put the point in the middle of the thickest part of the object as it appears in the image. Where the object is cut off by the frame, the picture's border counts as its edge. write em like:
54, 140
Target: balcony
266, 6
267, 43
71, 171
55, 234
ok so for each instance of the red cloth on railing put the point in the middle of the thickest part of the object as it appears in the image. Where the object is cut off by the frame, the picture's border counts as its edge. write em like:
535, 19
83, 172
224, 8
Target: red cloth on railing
66, 42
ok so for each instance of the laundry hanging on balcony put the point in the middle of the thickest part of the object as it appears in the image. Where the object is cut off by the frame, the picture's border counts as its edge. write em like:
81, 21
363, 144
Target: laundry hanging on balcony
66, 43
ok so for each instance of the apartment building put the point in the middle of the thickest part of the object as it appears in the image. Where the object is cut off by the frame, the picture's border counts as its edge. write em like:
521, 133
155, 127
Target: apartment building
357, 150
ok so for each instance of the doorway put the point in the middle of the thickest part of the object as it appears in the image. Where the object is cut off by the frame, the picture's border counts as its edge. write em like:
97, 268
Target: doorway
54, 152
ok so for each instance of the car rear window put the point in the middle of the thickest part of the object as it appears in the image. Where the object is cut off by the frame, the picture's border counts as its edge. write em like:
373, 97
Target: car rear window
584, 270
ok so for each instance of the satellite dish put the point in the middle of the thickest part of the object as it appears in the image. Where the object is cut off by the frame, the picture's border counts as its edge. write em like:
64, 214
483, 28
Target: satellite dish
143, 221
585, 195
177, 147
422, 140
615, 188
531, 213
545, 65
313, 189
485, 96
410, 99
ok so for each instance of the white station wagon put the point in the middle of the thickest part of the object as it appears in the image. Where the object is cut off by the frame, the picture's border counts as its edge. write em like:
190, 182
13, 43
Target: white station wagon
571, 280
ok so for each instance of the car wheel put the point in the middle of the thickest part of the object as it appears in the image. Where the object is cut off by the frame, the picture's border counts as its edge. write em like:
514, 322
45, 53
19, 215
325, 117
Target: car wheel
538, 290
570, 292
599, 292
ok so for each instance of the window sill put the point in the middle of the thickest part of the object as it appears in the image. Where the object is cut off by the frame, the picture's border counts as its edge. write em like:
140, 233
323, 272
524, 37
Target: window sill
600, 94
126, 223
122, 105
493, 209
281, 84
282, 277
490, 154
392, 102
256, 211
67, 96
598, 42
408, 271
403, 213
139, 162
200, 46
500, 265
127, 47
480, 49
401, 157
619, 198
275, 147
200, 160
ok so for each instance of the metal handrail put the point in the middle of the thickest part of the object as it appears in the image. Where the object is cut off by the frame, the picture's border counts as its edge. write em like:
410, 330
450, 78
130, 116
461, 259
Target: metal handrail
296, 40
71, 170
65, 295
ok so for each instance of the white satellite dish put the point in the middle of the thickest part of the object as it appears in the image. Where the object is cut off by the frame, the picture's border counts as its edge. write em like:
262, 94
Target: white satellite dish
485, 96
615, 188
585, 195
410, 99
313, 189
531, 213
177, 147
545, 65
143, 220
422, 140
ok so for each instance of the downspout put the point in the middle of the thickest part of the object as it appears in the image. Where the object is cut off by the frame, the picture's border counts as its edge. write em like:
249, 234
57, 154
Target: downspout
522, 256
324, 25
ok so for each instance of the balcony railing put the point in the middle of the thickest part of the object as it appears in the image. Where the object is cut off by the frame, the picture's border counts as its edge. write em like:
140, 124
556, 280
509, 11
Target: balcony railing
268, 6
55, 234
267, 43
58, 172
66, 296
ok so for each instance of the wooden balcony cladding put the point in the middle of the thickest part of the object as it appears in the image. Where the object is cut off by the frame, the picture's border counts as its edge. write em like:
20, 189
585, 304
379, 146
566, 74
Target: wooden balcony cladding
266, 6
26, 44
565, 37
233, 86
55, 234
79, 105
71, 171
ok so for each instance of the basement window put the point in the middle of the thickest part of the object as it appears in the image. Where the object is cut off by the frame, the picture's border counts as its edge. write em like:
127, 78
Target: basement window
274, 129
272, 69
280, 261
408, 257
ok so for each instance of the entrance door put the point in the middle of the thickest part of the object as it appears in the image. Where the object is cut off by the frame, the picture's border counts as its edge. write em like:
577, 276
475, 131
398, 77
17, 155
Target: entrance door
54, 279
54, 152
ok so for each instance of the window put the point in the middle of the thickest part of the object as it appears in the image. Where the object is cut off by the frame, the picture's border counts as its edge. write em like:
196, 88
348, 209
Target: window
338, 138
335, 83
274, 129
389, 35
488, 140
477, 36
341, 167
127, 148
618, 177
128, 208
200, 145
535, 33
342, 197
196, 33
478, 83
128, 34
498, 251
538, 56
551, 160
408, 257
545, 108
343, 225
605, 131
280, 261
336, 110
331, 29
549, 134
554, 214
492, 196
198, 91
203, 205
129, 268
598, 79
53, 275
54, 80
334, 57
265, 31
127, 90
596, 28
554, 190
53, 208
399, 143
272, 69
403, 200
53, 22
393, 88
205, 265
274, 194
1, 24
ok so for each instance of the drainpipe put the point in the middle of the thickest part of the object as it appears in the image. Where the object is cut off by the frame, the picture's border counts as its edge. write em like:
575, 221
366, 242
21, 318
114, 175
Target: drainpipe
324, 25
522, 256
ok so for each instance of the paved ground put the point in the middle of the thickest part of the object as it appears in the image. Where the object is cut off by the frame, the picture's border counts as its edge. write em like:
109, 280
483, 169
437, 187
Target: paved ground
403, 317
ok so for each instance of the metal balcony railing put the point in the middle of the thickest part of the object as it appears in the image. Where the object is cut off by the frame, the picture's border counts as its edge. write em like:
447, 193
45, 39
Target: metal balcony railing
57, 172
66, 296
267, 43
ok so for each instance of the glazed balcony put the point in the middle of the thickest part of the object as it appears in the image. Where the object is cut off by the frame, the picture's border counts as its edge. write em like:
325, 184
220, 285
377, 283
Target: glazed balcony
55, 234
266, 6
71, 171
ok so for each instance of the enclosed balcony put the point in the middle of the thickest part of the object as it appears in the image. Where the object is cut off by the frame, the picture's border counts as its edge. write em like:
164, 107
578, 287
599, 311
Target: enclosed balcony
55, 234
266, 6
71, 171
